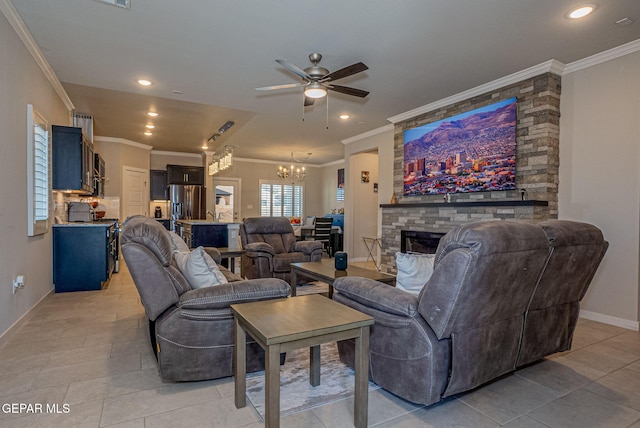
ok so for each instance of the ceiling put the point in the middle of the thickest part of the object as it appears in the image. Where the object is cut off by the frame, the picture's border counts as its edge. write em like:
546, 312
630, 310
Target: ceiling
216, 52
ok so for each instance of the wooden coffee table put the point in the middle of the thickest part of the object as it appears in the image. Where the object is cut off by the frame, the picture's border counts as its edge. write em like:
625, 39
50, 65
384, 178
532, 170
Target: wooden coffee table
282, 325
325, 271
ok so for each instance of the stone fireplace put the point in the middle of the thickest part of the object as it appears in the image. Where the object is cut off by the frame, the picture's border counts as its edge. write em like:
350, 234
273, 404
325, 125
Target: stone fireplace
537, 163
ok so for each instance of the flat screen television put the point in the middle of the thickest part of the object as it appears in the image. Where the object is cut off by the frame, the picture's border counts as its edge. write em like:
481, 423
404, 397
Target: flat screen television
469, 152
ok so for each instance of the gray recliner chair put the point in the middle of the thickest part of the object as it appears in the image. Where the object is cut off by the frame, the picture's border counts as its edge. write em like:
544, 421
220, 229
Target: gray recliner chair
271, 246
502, 295
191, 330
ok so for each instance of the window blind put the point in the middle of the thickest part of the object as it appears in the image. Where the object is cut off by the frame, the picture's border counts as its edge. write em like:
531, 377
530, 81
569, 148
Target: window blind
41, 173
281, 200
37, 173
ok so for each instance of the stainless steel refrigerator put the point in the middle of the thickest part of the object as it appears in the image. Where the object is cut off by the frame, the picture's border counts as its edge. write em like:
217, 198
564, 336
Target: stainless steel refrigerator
187, 203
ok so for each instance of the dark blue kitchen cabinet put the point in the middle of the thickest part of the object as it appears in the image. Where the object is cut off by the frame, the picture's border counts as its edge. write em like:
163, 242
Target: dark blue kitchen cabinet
72, 160
203, 234
180, 174
84, 256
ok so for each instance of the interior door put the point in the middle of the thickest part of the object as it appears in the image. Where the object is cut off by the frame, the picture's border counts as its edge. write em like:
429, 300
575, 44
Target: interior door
227, 199
135, 192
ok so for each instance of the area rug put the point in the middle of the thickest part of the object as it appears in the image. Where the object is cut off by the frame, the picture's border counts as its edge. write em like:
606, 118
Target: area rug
296, 393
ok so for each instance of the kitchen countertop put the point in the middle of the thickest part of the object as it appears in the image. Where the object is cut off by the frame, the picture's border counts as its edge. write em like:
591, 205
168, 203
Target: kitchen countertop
192, 222
98, 223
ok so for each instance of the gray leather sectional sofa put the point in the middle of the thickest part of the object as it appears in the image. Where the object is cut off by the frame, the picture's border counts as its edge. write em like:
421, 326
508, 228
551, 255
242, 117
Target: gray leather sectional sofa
502, 295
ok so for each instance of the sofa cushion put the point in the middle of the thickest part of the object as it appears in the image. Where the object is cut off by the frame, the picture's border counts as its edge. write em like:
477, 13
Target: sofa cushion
199, 268
414, 270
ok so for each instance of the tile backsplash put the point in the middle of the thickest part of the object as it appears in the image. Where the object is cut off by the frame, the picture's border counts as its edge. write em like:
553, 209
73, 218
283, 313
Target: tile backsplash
109, 204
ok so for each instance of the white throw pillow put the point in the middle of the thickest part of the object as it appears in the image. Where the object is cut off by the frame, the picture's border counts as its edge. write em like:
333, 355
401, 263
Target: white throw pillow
199, 268
414, 270
177, 243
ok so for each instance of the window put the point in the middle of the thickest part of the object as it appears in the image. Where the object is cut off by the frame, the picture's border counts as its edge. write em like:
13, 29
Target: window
340, 192
37, 173
281, 200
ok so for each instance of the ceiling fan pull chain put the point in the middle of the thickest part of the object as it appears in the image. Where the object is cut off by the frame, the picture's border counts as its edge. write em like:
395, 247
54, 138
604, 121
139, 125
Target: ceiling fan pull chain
327, 110
303, 97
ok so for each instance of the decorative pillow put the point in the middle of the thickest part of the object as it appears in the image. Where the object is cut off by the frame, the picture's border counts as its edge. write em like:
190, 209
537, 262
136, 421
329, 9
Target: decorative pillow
199, 268
177, 244
414, 270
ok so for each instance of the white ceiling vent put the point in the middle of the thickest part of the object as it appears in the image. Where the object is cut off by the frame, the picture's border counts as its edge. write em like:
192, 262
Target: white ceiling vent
125, 4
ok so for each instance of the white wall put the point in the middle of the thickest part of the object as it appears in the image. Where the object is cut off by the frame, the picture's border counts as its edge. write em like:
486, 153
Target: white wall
21, 82
329, 179
380, 141
600, 177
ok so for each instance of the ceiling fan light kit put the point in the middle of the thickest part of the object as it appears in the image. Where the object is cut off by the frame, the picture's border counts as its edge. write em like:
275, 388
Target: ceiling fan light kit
315, 90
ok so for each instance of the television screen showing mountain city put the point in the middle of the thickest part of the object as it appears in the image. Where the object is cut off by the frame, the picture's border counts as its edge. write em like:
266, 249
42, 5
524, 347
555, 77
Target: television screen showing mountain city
470, 152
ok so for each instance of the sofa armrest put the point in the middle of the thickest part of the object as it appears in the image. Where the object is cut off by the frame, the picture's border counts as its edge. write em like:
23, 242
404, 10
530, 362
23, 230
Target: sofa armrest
214, 253
259, 247
307, 247
224, 295
377, 295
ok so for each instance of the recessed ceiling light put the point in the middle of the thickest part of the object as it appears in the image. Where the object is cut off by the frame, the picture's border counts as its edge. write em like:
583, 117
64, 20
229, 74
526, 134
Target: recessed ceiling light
152, 114
144, 82
204, 146
582, 11
344, 116
147, 133
150, 126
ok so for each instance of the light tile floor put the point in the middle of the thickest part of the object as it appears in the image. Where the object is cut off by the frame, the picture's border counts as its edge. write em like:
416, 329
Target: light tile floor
87, 356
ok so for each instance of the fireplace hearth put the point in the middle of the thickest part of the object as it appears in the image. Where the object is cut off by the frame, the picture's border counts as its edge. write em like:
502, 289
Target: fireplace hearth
412, 241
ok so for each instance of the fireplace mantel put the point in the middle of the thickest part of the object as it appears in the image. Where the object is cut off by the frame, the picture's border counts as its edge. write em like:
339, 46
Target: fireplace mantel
484, 203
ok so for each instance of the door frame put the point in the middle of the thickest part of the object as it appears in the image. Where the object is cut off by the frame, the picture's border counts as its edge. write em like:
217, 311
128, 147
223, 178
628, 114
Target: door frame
237, 201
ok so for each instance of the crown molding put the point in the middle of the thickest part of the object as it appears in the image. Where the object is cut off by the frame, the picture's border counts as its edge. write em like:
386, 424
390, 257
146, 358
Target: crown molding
101, 139
10, 12
605, 56
182, 154
551, 66
306, 165
367, 134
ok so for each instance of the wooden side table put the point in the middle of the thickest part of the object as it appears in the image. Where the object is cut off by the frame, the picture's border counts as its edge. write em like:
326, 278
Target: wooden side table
231, 255
305, 321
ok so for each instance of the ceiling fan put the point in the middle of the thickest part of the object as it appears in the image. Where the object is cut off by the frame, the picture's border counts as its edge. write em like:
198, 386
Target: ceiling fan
317, 80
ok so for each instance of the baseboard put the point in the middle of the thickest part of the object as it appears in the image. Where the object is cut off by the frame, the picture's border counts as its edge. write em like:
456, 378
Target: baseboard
608, 319
25, 318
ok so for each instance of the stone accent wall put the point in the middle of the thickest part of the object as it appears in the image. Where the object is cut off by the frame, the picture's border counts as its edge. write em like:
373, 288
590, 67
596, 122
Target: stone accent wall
537, 165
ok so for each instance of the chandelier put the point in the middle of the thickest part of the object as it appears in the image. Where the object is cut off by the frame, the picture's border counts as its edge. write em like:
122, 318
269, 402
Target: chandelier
221, 161
224, 160
293, 173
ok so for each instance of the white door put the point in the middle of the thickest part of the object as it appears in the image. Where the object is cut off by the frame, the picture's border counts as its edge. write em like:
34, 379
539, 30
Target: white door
227, 199
135, 191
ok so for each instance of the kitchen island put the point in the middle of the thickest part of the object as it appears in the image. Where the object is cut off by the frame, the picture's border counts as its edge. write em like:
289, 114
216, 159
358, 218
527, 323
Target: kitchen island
205, 233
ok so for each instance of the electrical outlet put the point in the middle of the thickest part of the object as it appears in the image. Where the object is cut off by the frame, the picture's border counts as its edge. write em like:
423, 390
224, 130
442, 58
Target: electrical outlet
18, 283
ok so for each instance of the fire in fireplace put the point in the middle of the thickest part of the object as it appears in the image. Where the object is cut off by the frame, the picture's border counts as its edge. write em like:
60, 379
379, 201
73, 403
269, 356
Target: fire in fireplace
419, 241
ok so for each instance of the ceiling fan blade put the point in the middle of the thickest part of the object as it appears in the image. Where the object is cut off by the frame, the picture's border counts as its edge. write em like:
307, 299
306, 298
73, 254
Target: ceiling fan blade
309, 101
285, 86
349, 91
293, 68
345, 72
